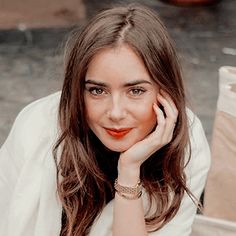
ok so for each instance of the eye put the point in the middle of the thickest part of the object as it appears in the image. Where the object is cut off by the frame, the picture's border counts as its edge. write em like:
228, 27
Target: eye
137, 91
96, 91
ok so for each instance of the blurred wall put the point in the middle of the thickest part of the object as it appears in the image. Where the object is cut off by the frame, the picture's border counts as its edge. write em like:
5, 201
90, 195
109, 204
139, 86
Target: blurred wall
40, 13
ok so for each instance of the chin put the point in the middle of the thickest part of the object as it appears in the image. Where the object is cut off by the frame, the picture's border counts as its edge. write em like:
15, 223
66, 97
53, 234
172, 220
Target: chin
118, 148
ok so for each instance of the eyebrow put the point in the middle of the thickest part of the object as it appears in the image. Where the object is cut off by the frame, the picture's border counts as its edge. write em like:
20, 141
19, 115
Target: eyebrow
132, 83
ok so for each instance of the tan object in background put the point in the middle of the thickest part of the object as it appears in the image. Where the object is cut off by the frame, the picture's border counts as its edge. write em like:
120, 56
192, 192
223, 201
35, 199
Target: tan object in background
220, 191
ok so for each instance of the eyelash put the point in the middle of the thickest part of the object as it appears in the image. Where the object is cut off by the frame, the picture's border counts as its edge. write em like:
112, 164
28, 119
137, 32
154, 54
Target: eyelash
139, 91
95, 89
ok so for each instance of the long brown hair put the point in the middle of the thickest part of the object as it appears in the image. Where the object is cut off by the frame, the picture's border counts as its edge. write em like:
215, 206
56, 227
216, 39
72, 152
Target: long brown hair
87, 168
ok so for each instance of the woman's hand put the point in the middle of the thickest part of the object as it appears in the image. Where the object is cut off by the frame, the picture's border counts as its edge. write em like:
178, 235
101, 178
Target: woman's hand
131, 160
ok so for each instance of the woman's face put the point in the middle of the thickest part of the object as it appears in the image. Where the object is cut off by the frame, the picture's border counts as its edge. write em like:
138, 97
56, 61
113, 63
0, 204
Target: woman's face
119, 96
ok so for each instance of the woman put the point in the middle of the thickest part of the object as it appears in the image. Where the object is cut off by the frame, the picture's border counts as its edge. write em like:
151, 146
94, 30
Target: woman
126, 157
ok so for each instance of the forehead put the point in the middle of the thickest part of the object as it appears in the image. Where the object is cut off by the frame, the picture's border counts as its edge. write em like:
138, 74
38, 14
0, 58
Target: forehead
120, 63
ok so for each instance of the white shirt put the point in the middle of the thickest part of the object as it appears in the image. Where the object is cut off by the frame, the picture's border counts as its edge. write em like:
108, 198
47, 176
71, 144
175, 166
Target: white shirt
29, 205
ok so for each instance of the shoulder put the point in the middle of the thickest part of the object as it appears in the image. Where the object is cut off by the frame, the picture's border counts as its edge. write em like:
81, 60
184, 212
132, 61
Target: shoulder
40, 109
193, 121
195, 129
199, 147
35, 124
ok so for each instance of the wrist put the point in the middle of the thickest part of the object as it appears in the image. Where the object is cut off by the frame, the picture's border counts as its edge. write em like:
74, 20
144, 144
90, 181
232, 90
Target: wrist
127, 192
128, 175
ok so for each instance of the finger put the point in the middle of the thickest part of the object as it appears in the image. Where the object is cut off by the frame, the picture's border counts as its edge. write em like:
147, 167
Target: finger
169, 108
157, 135
171, 118
154, 141
169, 100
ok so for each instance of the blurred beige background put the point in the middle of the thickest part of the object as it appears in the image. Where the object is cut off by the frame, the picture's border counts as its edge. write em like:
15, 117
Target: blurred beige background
40, 13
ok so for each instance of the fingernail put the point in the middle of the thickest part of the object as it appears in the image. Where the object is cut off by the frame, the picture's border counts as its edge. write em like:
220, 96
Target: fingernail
155, 106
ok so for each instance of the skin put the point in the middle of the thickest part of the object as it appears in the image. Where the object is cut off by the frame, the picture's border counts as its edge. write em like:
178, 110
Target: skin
116, 104
121, 94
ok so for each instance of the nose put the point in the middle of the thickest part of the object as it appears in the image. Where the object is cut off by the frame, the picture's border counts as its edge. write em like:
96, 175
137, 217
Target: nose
117, 109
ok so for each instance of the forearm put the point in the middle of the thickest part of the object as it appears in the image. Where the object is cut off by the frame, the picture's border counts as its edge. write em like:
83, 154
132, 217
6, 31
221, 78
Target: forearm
128, 217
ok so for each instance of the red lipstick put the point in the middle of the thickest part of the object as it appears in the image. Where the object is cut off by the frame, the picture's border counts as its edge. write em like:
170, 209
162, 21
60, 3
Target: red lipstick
118, 133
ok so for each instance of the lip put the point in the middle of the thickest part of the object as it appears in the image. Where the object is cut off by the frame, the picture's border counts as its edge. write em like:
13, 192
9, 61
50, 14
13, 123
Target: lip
118, 133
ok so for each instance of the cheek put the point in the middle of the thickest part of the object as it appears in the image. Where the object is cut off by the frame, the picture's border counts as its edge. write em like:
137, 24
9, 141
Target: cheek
146, 106
94, 111
147, 116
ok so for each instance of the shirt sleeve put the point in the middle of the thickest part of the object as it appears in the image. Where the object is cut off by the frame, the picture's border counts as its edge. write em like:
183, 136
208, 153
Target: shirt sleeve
23, 159
11, 162
196, 174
